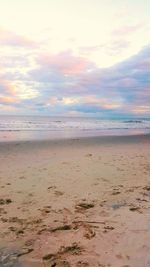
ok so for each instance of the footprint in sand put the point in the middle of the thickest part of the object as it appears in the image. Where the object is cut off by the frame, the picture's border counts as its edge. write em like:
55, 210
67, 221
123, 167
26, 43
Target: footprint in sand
58, 193
89, 155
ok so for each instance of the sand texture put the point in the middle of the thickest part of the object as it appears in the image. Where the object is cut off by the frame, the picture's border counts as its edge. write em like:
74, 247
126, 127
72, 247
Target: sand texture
79, 203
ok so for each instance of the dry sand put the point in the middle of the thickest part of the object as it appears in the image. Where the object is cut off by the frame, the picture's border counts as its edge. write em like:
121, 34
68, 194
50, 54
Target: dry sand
82, 202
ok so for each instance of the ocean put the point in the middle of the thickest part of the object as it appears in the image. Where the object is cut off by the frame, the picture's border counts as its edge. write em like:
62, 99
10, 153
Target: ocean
17, 128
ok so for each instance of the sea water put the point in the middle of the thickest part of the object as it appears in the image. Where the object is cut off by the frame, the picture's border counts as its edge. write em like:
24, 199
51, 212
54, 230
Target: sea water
15, 128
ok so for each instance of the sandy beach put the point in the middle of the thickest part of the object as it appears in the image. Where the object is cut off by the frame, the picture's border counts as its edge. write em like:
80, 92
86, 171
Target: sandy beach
75, 203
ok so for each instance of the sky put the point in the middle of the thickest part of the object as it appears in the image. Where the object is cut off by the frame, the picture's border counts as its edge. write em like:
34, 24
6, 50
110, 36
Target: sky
75, 57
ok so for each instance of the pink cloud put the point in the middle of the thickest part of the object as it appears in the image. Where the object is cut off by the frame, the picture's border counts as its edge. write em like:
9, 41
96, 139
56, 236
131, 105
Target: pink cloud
53, 100
12, 39
66, 63
7, 87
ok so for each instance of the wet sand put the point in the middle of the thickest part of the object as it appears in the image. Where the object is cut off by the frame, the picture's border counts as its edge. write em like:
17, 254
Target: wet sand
80, 202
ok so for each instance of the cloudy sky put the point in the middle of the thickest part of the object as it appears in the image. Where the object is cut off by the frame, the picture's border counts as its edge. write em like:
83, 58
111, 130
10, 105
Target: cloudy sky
75, 57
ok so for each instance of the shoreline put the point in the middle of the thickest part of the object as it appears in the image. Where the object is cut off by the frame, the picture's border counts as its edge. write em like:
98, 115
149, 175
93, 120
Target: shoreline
44, 135
81, 141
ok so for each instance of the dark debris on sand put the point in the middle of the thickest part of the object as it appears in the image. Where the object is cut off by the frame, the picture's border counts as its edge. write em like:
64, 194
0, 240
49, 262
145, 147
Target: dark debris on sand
57, 258
5, 201
84, 206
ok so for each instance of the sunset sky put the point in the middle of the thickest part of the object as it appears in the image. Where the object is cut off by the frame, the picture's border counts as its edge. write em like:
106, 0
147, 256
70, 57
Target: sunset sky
75, 57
